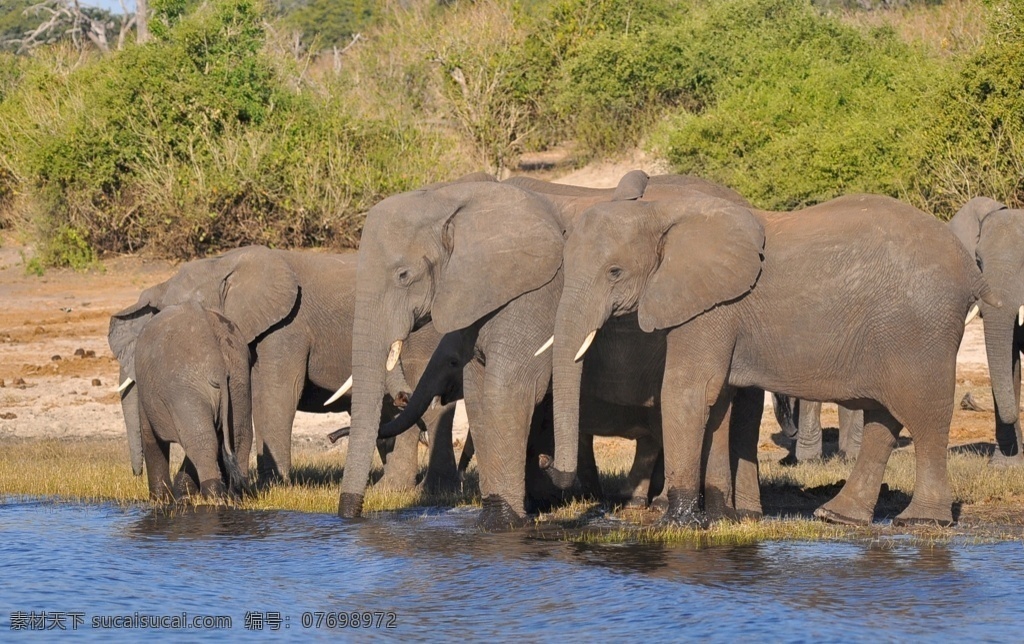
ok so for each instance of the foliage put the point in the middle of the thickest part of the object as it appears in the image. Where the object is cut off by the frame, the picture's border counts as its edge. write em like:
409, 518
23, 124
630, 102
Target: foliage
324, 23
221, 131
976, 145
198, 141
800, 108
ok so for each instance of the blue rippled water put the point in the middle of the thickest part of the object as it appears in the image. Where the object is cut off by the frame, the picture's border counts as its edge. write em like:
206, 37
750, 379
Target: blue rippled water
441, 580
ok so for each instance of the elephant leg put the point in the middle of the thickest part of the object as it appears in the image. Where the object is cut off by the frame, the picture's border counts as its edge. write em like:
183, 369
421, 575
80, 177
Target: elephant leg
442, 475
586, 468
157, 456
808, 438
402, 464
276, 388
932, 502
744, 433
198, 436
718, 492
186, 481
691, 404
500, 414
1008, 436
468, 450
659, 491
851, 431
855, 503
638, 481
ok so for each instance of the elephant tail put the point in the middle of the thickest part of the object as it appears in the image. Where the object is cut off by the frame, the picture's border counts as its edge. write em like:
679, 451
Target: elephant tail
228, 459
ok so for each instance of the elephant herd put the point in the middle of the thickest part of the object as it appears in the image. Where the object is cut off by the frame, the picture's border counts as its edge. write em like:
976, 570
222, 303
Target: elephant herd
660, 311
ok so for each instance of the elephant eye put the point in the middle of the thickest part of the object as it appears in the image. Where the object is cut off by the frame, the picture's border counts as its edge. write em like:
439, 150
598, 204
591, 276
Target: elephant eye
614, 273
402, 276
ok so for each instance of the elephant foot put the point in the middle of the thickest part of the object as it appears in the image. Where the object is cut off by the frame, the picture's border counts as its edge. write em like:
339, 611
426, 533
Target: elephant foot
745, 515
902, 521
684, 510
1002, 460
831, 516
184, 486
636, 503
940, 514
441, 486
350, 506
659, 504
498, 515
213, 489
716, 507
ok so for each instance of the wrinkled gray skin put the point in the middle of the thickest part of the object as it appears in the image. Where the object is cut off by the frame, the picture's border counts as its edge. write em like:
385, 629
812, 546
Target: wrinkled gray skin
801, 420
766, 299
994, 236
483, 258
619, 382
295, 309
192, 374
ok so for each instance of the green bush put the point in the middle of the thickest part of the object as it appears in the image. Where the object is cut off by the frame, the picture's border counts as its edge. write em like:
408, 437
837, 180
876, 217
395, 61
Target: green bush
800, 108
976, 144
198, 141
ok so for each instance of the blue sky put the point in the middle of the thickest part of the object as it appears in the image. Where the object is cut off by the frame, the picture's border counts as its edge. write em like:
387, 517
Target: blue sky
111, 5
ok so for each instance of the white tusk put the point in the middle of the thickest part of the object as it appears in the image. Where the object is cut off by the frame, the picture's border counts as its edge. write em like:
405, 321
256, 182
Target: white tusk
1020, 316
435, 402
547, 345
124, 385
585, 345
341, 392
396, 351
973, 313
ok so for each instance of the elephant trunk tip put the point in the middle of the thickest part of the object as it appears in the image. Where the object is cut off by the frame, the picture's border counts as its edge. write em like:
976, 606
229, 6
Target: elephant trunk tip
562, 480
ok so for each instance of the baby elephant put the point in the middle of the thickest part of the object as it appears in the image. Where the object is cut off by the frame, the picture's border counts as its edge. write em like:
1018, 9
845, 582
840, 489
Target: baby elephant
192, 370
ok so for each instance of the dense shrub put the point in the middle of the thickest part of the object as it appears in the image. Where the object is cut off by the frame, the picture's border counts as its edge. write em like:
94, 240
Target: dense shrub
976, 145
800, 108
198, 141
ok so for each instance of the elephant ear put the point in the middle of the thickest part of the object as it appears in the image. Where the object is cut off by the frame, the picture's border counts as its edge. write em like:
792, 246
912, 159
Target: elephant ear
127, 324
631, 186
966, 223
711, 252
501, 242
232, 347
258, 290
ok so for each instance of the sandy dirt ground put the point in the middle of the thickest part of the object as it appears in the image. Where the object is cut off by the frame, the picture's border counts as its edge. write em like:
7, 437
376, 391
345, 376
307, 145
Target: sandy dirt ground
58, 376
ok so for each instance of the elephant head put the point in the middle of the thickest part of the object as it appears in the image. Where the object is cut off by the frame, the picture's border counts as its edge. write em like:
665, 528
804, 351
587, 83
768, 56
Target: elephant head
253, 287
670, 261
452, 255
994, 235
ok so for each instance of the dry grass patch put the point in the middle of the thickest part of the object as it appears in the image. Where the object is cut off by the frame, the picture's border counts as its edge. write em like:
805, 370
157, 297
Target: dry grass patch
991, 500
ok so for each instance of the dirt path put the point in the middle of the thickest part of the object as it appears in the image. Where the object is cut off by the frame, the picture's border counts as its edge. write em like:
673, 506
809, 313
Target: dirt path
47, 391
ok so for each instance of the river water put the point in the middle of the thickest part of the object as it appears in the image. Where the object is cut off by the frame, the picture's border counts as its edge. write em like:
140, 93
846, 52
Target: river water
101, 570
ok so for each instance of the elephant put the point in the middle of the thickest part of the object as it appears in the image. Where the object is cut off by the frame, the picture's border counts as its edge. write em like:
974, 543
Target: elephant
801, 420
994, 236
192, 373
295, 309
859, 300
482, 258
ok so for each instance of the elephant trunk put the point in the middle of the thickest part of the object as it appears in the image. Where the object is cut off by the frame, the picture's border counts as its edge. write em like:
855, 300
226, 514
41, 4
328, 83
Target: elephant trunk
787, 414
574, 325
370, 346
999, 331
130, 409
418, 403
